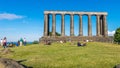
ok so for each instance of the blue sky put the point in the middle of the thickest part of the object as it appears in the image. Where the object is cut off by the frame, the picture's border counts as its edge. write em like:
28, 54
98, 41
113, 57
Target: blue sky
25, 18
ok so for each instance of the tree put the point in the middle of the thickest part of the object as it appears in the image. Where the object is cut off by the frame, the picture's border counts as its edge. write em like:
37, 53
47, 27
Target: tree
58, 34
117, 36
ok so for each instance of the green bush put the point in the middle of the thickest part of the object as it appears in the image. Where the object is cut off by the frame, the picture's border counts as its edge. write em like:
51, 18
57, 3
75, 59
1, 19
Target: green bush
35, 42
117, 36
57, 34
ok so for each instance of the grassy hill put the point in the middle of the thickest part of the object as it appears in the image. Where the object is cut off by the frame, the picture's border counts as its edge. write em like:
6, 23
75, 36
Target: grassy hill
67, 55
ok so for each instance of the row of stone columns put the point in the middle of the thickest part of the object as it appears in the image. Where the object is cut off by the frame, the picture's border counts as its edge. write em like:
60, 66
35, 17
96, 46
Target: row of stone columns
101, 25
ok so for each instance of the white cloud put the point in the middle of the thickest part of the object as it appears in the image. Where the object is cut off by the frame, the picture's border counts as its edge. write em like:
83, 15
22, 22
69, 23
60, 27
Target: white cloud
111, 33
9, 16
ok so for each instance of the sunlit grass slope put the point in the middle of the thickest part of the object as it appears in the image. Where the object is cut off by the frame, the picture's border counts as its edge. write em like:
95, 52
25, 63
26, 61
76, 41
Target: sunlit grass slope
68, 55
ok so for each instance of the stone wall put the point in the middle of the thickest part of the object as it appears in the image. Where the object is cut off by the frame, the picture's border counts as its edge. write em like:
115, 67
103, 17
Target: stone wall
68, 38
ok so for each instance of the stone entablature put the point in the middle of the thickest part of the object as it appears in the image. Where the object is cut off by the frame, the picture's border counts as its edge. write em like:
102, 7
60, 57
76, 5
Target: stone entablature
75, 12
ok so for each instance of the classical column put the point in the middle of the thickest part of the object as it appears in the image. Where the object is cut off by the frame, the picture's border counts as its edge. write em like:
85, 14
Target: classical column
53, 25
98, 25
89, 26
46, 25
101, 25
71, 24
63, 26
80, 25
105, 26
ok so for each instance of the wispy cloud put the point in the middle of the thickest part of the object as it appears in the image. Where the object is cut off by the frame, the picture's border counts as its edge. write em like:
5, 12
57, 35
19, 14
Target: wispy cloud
9, 16
111, 33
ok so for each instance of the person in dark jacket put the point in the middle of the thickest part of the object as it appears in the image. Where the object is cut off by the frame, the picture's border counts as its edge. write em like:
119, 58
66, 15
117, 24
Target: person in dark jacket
79, 44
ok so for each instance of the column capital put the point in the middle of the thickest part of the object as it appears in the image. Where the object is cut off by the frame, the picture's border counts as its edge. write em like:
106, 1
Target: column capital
89, 14
98, 15
46, 13
53, 13
71, 14
80, 14
63, 14
104, 15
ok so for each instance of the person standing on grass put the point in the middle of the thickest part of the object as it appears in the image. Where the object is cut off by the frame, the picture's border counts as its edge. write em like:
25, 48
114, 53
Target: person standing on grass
5, 42
1, 42
18, 43
24, 41
21, 42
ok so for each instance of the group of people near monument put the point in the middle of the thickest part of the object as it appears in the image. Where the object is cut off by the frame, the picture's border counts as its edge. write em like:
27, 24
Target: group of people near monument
83, 43
6, 44
21, 42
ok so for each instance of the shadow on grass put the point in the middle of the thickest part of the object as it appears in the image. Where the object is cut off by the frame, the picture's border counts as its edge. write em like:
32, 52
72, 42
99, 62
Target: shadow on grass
20, 61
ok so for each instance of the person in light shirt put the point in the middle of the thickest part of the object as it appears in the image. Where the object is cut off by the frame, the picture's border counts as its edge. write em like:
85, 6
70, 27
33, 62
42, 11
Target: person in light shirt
21, 42
24, 41
1, 42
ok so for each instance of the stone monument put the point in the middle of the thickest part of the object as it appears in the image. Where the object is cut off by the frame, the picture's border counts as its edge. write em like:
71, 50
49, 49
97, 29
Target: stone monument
101, 26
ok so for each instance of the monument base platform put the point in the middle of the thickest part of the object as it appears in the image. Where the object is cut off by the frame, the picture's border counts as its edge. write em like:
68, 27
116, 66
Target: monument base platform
76, 38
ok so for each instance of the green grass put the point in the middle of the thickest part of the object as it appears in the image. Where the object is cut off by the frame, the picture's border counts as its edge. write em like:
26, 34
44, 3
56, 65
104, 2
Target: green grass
68, 55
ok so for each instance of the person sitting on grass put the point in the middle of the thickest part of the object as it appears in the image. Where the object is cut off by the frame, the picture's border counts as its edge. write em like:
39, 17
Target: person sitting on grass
83, 44
47, 42
79, 44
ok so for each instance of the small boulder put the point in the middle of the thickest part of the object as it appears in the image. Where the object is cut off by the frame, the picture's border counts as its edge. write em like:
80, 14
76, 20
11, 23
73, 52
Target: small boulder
117, 66
9, 63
